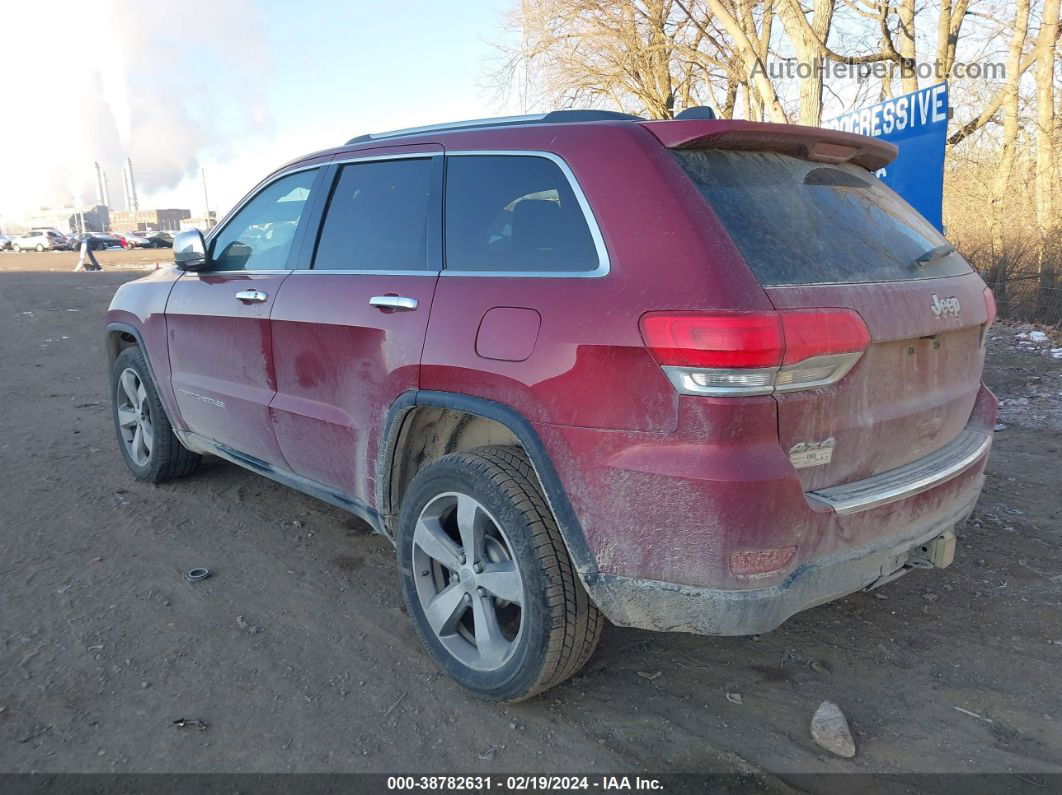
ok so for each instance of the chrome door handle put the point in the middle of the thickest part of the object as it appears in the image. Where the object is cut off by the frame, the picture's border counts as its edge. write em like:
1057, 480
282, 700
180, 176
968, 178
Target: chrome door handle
251, 296
397, 302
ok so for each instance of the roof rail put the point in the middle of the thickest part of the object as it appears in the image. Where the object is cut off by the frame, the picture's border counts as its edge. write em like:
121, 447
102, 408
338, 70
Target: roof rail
553, 117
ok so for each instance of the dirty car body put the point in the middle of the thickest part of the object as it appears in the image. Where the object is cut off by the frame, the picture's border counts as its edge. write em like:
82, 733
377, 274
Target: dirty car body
747, 375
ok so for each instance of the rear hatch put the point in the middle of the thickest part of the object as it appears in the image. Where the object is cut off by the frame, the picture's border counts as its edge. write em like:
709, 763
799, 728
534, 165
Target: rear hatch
827, 233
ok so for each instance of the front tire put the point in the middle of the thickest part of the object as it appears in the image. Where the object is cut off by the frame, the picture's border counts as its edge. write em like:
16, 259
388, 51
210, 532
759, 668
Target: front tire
487, 580
150, 449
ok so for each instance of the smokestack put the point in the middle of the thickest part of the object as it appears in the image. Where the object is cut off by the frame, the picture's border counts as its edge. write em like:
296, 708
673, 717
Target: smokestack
99, 185
106, 193
125, 187
131, 200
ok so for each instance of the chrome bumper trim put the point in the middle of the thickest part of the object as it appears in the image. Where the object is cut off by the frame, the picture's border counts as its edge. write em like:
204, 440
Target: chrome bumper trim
906, 481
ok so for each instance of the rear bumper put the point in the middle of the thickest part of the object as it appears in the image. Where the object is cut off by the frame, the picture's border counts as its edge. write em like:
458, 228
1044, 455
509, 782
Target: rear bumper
667, 607
899, 484
664, 516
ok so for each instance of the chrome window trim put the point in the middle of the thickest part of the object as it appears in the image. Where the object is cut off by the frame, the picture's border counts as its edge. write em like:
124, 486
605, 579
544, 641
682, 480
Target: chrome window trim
368, 158
256, 272
604, 264
348, 272
278, 272
963, 452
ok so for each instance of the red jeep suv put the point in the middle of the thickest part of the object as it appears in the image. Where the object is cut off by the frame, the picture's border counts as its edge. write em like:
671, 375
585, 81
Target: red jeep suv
692, 375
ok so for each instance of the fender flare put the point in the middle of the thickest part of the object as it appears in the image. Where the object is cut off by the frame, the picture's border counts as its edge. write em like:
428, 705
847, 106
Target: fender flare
570, 527
134, 332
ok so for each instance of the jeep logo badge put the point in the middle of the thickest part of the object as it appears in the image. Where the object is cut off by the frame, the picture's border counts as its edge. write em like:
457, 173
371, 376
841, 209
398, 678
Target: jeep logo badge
945, 307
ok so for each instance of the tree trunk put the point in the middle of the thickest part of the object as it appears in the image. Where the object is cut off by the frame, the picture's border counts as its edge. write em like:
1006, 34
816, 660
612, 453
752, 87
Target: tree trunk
949, 23
1001, 182
1048, 304
908, 75
808, 40
755, 68
761, 42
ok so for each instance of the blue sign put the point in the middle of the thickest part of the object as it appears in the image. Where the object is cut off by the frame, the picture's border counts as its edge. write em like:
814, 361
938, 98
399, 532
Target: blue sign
918, 124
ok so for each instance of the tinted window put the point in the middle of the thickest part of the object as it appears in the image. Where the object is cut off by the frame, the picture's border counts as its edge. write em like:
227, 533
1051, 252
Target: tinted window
377, 218
798, 222
513, 213
259, 236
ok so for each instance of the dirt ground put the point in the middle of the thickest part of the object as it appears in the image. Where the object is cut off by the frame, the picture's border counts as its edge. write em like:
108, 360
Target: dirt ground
118, 259
298, 656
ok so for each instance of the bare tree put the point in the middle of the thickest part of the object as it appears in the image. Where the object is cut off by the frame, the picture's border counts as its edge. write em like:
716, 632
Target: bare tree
1001, 180
908, 75
990, 107
636, 55
761, 42
949, 23
1047, 223
808, 39
755, 69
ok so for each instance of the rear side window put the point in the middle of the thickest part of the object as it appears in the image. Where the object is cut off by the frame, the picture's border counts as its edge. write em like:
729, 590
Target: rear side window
513, 213
377, 218
798, 222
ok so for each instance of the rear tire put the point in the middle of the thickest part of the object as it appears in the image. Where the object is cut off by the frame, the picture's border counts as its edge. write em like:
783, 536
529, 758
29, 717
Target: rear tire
501, 649
145, 436
40, 249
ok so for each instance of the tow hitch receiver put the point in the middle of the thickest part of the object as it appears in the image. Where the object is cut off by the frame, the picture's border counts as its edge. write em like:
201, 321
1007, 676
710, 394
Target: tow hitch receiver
935, 554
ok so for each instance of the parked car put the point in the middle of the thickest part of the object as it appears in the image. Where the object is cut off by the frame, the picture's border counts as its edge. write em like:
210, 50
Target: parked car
41, 240
732, 378
5, 243
97, 241
161, 239
132, 239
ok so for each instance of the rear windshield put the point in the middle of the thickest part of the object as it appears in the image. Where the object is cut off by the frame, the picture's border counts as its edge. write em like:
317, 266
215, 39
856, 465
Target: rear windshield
798, 222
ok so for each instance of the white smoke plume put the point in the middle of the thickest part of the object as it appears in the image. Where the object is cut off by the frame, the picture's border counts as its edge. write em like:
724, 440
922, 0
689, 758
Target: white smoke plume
161, 83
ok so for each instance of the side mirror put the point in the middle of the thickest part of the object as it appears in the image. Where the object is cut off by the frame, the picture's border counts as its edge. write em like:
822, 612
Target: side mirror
189, 250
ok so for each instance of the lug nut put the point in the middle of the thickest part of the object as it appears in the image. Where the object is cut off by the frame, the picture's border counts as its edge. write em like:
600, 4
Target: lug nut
466, 598
481, 591
462, 560
477, 567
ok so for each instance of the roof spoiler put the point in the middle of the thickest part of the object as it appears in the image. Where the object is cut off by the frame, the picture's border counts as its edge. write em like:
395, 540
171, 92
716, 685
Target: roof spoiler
808, 143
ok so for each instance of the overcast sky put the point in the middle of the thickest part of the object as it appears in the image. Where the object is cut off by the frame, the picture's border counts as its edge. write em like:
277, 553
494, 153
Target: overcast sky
235, 86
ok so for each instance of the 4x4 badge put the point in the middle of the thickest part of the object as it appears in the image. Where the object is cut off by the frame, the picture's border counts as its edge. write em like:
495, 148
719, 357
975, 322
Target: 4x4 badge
945, 307
812, 454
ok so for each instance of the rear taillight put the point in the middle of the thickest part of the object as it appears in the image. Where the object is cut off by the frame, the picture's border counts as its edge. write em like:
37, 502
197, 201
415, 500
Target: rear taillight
757, 353
990, 313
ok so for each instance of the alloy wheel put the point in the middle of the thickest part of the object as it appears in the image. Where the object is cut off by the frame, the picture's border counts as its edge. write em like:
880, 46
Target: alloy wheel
134, 417
468, 582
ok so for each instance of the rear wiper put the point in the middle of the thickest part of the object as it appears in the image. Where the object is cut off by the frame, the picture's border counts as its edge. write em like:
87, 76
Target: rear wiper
933, 255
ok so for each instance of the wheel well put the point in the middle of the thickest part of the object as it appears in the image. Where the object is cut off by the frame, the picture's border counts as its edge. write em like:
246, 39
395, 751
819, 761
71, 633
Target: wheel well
429, 433
118, 341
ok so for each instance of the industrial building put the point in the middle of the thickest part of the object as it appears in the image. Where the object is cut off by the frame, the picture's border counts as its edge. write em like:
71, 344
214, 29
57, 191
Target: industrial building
203, 222
148, 220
